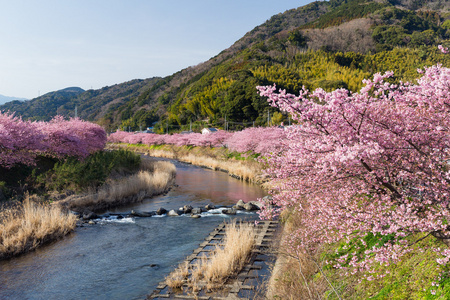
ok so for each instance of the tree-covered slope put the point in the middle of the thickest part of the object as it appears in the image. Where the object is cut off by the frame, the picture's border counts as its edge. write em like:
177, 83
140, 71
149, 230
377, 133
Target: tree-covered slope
328, 44
45, 107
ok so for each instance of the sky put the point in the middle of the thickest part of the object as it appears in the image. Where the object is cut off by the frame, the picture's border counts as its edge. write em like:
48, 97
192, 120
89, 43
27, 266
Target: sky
48, 45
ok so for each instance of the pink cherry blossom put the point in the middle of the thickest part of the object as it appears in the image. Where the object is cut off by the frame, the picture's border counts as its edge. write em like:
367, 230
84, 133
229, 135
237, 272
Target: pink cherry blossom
21, 141
374, 162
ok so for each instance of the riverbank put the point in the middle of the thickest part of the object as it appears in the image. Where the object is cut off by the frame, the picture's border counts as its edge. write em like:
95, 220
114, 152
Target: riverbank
235, 164
154, 178
30, 225
38, 220
126, 258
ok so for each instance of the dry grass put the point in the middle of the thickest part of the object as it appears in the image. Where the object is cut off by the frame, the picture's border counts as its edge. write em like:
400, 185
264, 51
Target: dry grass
238, 243
31, 224
156, 180
294, 276
176, 279
225, 261
212, 158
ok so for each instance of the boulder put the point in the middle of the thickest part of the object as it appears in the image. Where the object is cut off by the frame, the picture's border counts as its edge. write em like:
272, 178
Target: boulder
196, 211
187, 209
229, 211
257, 203
173, 213
249, 206
240, 203
141, 214
89, 215
161, 211
210, 206
195, 216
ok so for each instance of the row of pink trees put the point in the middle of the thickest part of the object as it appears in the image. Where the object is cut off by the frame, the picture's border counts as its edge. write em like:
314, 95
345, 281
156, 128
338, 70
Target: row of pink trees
257, 140
369, 163
21, 141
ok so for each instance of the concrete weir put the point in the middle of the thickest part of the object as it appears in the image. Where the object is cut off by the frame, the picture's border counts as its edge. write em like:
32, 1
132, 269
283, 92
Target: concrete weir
249, 282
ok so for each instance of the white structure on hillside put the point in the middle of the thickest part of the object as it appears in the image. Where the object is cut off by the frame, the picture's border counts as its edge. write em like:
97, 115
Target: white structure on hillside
208, 130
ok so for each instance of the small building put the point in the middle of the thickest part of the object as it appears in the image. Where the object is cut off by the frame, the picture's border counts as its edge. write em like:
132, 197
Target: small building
208, 130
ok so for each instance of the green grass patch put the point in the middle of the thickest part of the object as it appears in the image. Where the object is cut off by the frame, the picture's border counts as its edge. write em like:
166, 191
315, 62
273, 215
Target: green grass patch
416, 276
92, 172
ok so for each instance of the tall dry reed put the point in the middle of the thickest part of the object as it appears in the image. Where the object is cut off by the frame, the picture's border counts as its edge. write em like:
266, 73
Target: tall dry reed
294, 274
31, 224
213, 158
156, 180
225, 261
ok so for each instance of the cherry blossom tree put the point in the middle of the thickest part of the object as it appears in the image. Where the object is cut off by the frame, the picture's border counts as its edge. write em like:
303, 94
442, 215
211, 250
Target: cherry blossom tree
19, 141
263, 140
73, 137
369, 163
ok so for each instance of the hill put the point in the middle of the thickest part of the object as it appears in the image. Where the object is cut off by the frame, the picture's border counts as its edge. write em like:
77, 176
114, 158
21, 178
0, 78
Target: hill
328, 44
4, 99
45, 107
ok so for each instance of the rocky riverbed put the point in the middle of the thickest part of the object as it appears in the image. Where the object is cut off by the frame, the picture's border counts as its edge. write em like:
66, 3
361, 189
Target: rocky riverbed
91, 218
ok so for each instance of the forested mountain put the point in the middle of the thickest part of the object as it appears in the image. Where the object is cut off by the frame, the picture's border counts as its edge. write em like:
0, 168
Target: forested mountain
328, 44
4, 99
45, 106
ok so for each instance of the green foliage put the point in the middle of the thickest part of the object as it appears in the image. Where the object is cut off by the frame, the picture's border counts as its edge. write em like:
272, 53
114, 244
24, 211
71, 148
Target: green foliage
91, 172
416, 276
407, 28
224, 87
242, 156
296, 38
139, 120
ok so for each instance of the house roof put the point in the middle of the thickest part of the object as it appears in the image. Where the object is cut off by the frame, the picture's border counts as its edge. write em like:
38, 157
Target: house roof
210, 129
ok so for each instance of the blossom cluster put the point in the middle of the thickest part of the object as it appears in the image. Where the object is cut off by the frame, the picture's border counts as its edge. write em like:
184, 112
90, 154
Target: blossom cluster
263, 140
374, 162
21, 141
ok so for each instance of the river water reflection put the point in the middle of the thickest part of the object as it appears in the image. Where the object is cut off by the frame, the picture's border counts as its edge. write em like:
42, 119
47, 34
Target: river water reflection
125, 259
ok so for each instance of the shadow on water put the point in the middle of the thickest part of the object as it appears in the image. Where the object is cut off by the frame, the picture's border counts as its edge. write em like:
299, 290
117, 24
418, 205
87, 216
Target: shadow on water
125, 259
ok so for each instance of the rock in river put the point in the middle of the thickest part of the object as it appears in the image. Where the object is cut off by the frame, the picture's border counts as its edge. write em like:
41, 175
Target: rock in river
161, 211
172, 213
229, 211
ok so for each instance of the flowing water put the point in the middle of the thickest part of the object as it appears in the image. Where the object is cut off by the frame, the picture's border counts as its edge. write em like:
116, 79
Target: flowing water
125, 259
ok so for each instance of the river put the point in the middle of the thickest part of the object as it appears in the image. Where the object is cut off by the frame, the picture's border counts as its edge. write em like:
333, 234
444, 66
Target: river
125, 259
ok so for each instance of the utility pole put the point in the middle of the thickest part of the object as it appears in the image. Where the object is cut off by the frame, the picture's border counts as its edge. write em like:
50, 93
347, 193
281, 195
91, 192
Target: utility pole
268, 118
76, 111
190, 125
167, 127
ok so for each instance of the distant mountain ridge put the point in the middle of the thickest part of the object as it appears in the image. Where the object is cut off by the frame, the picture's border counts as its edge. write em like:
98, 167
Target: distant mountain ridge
44, 107
4, 99
327, 44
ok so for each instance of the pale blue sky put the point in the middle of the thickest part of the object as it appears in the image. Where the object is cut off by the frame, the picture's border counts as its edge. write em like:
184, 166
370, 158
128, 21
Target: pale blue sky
50, 45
